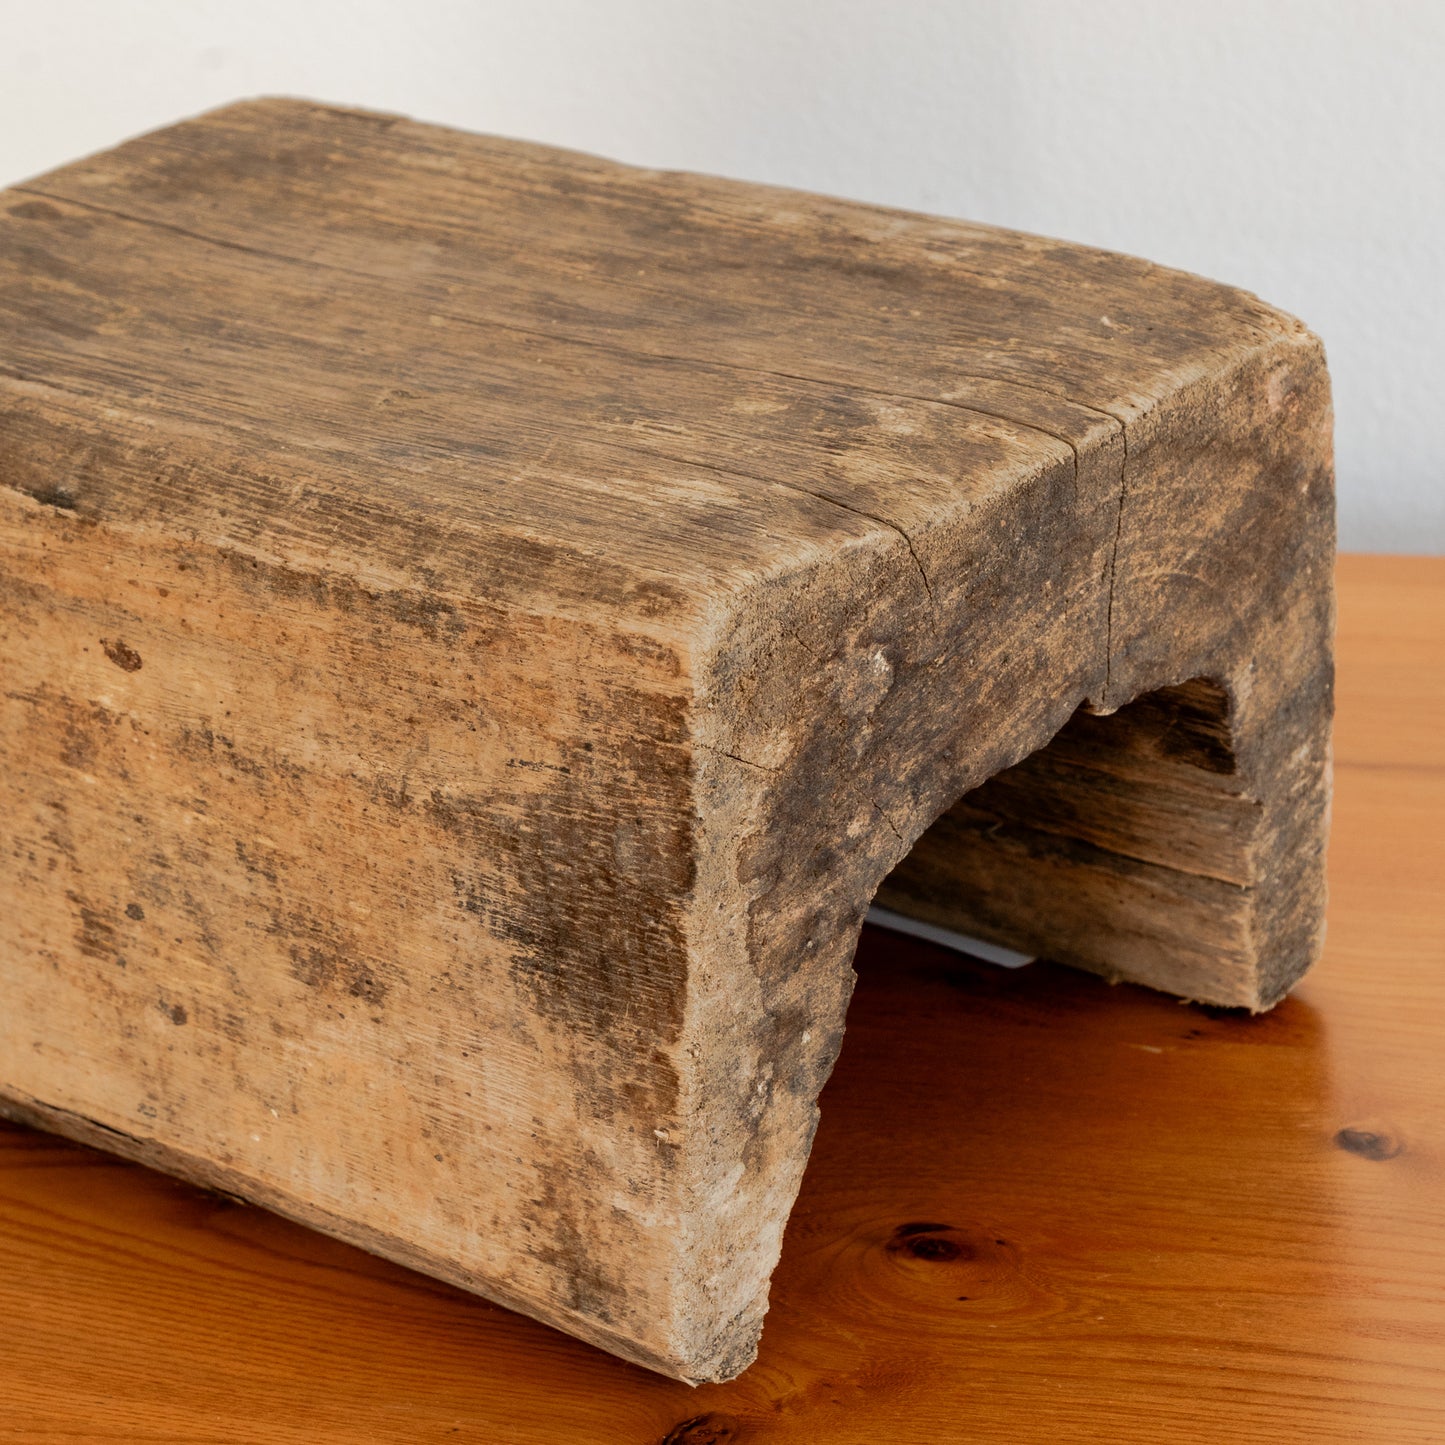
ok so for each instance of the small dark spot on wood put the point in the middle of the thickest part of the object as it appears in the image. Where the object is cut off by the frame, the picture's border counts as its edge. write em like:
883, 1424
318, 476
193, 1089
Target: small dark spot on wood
55, 497
1369, 1144
36, 211
96, 937
932, 1243
709, 1429
533, 766
174, 1011
126, 658
933, 1248
135, 911
254, 865
323, 968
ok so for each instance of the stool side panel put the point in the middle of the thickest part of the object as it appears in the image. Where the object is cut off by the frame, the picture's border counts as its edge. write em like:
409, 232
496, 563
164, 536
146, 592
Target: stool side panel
350, 905
864, 701
1117, 848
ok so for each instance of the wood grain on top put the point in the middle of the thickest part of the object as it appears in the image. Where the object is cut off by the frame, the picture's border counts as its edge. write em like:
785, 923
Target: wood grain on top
549, 370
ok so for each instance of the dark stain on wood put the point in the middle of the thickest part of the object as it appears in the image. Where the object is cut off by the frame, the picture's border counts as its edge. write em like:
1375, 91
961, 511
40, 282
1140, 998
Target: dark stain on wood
1378, 1145
710, 1429
122, 654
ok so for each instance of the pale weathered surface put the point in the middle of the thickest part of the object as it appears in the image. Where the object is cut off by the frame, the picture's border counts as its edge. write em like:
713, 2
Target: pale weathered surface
480, 624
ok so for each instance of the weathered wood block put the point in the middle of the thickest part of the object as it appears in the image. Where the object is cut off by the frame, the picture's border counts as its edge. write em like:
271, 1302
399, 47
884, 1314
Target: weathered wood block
480, 624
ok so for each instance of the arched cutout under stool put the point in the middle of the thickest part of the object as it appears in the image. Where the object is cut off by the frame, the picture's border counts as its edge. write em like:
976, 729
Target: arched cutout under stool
1125, 846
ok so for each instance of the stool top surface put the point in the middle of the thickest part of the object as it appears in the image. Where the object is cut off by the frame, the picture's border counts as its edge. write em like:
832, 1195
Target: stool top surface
543, 378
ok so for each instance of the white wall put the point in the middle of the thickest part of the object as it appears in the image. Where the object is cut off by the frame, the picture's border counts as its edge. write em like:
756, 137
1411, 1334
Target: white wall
1295, 147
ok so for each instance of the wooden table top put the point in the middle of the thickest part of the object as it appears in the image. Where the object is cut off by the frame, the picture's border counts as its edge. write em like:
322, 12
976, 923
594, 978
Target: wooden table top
1039, 1208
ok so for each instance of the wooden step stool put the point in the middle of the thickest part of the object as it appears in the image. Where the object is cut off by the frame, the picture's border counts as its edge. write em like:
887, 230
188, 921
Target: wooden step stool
481, 624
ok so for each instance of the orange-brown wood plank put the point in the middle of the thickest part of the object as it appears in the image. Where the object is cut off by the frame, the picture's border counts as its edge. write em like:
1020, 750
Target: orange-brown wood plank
1038, 1209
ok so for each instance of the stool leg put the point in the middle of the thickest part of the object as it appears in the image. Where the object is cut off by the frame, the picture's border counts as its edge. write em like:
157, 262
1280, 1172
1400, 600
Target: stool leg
1101, 733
